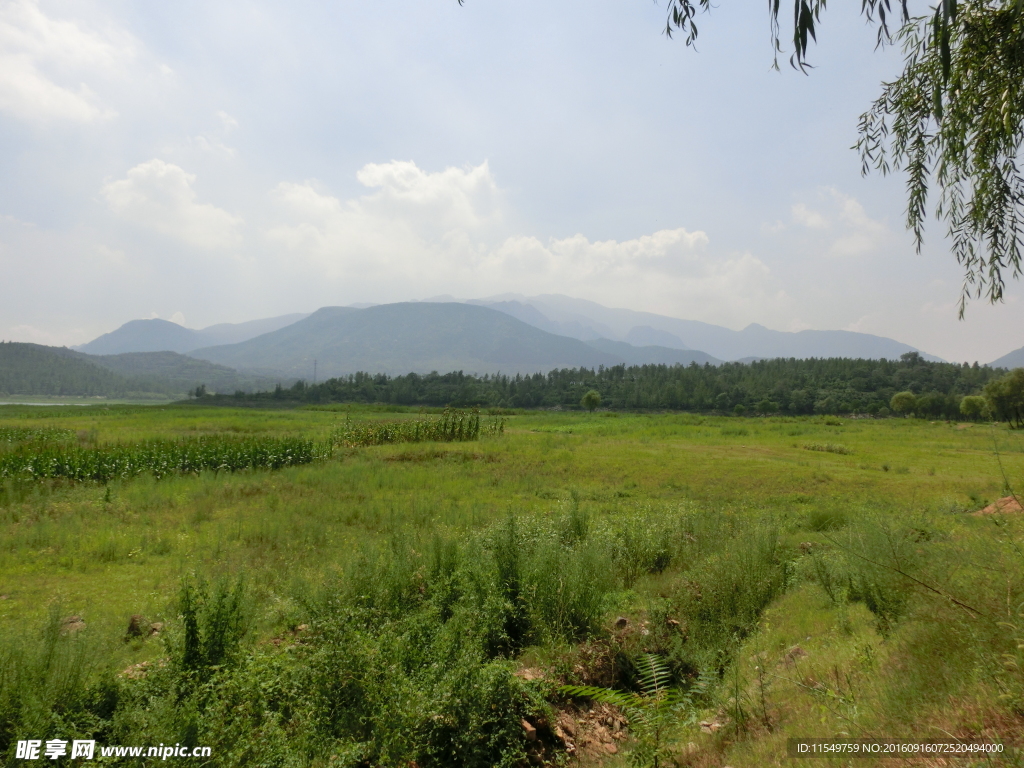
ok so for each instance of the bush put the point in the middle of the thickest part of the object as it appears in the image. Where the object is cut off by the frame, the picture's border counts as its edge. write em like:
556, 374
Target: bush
592, 400
53, 686
903, 403
974, 407
1005, 397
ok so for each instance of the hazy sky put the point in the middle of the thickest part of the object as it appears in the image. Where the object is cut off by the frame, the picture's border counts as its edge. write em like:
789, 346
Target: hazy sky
225, 161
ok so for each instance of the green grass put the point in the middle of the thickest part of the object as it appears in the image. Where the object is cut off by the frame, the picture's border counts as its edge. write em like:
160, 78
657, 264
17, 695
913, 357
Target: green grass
519, 545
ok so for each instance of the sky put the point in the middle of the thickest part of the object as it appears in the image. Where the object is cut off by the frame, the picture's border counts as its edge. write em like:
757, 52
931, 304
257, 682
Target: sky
221, 162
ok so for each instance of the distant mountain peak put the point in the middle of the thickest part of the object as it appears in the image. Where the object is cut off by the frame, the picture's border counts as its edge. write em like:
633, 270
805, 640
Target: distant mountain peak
157, 335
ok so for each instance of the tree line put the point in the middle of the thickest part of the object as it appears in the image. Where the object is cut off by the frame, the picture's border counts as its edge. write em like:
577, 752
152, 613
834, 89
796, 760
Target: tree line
787, 386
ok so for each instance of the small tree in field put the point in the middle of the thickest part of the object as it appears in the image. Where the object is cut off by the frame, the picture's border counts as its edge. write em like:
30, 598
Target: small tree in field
1005, 398
903, 403
974, 407
591, 400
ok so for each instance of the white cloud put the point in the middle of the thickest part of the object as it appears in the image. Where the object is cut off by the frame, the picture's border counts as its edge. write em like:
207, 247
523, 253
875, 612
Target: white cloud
228, 123
420, 233
809, 218
844, 228
455, 197
178, 318
860, 233
159, 195
43, 62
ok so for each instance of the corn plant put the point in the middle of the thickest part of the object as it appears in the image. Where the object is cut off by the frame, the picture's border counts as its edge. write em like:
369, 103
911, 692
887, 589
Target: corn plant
37, 435
452, 426
158, 457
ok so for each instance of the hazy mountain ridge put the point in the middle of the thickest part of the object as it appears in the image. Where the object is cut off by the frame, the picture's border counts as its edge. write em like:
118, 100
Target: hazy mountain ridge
610, 336
652, 354
158, 335
407, 337
595, 321
1013, 359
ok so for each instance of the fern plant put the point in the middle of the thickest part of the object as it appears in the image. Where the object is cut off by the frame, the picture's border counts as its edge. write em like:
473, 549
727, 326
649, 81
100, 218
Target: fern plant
652, 711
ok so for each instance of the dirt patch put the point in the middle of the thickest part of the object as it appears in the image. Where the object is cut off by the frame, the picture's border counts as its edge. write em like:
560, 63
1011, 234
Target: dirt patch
459, 457
590, 733
1006, 506
69, 625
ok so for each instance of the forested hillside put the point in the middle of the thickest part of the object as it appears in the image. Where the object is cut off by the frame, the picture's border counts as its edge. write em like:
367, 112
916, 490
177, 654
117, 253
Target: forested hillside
788, 386
180, 373
33, 369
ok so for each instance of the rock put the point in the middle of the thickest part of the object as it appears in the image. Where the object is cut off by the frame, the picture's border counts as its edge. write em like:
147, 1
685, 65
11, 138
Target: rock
71, 624
611, 749
529, 730
302, 628
156, 628
806, 546
137, 627
622, 622
528, 674
672, 623
567, 724
710, 726
794, 653
136, 671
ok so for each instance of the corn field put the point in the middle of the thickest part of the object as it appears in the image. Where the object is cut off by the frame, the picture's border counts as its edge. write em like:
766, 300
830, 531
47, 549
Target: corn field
451, 427
40, 454
37, 435
159, 457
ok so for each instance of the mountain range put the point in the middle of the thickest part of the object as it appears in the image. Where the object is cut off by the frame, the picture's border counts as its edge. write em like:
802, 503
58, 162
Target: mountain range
508, 333
164, 336
423, 337
588, 320
1013, 359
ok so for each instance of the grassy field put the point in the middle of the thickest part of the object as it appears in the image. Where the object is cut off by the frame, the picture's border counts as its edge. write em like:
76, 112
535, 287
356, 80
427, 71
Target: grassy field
799, 576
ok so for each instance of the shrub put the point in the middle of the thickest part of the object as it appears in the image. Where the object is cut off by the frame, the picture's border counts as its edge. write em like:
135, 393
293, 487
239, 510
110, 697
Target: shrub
974, 407
903, 403
592, 400
829, 448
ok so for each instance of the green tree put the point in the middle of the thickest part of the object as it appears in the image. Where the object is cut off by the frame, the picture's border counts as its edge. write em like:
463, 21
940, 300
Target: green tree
591, 400
1005, 398
903, 403
974, 407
